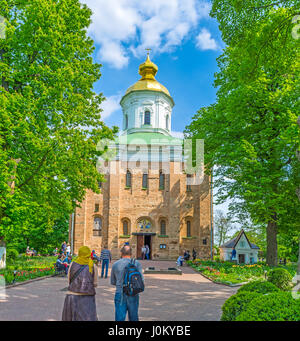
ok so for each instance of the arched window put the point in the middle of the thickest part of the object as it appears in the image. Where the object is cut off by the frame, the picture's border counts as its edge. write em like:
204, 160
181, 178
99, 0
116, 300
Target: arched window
97, 226
163, 230
161, 180
145, 181
126, 122
188, 228
147, 118
125, 228
167, 122
128, 179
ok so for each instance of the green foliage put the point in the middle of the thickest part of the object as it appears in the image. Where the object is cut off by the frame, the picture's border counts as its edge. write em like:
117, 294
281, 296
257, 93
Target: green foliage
50, 118
11, 254
261, 287
279, 306
281, 278
250, 132
231, 273
27, 268
237, 304
288, 245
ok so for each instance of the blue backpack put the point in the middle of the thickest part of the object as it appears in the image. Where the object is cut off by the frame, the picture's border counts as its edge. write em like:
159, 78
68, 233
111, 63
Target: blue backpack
133, 282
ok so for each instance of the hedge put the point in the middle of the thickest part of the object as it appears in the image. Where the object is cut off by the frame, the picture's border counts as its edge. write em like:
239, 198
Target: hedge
281, 278
262, 287
236, 304
280, 306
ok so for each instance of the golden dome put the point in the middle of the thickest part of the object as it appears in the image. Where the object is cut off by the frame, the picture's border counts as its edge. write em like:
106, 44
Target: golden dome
148, 71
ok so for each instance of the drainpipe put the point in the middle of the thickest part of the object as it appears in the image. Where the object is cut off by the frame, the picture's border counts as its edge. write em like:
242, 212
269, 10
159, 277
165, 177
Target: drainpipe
211, 215
72, 232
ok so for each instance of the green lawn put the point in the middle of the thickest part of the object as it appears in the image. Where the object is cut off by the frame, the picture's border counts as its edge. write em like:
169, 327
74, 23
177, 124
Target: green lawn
28, 268
229, 273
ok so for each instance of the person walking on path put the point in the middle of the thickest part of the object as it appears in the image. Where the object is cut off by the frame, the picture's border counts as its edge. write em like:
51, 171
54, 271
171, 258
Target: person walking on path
233, 254
123, 302
105, 257
80, 303
147, 251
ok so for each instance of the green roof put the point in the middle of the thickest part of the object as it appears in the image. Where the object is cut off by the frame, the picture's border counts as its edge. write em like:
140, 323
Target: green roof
148, 138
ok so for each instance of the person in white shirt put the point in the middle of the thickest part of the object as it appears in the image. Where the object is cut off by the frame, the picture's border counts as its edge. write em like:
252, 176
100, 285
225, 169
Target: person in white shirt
68, 249
143, 251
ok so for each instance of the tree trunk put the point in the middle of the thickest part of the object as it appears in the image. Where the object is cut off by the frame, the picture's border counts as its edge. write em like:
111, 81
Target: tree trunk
272, 243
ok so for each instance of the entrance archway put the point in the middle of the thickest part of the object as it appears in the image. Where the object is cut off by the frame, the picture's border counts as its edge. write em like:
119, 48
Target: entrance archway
144, 239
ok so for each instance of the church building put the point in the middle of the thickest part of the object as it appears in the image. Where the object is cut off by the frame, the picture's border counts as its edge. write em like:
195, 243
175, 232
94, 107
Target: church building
147, 198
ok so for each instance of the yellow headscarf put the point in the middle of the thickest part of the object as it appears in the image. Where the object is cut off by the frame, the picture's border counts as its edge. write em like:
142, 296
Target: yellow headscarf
84, 258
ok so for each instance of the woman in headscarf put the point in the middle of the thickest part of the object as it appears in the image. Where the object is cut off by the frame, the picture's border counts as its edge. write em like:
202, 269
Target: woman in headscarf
80, 303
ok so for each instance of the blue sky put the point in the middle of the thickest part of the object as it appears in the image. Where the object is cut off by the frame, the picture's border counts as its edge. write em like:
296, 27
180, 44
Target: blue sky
185, 43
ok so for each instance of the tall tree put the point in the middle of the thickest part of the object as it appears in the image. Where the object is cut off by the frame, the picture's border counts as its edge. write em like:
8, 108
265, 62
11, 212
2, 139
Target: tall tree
222, 227
50, 119
251, 131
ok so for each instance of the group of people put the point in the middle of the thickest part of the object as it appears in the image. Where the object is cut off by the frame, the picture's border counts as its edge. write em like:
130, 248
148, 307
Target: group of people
145, 252
186, 256
63, 262
66, 248
30, 252
80, 303
64, 257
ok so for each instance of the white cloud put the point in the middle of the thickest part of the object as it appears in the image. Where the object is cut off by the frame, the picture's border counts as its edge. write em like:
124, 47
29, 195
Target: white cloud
110, 105
177, 134
205, 41
138, 24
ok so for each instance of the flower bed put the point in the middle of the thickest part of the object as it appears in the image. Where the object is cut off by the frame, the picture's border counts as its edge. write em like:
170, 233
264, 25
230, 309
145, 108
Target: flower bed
230, 273
28, 268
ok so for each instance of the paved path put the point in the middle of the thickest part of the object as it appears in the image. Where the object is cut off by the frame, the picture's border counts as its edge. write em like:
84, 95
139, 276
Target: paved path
189, 297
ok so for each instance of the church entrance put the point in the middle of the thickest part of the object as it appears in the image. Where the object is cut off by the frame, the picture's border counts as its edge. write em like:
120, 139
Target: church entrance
143, 239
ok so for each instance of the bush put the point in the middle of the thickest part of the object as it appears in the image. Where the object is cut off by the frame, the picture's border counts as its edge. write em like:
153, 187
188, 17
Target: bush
261, 287
12, 254
281, 278
236, 304
279, 306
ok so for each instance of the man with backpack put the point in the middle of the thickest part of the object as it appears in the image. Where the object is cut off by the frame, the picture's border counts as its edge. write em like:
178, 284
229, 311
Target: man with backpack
127, 276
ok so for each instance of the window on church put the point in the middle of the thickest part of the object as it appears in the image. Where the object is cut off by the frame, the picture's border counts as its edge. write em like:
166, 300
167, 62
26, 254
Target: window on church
97, 226
128, 179
96, 207
125, 228
172, 153
147, 119
126, 122
188, 183
145, 180
163, 230
204, 241
99, 184
161, 180
188, 229
167, 122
